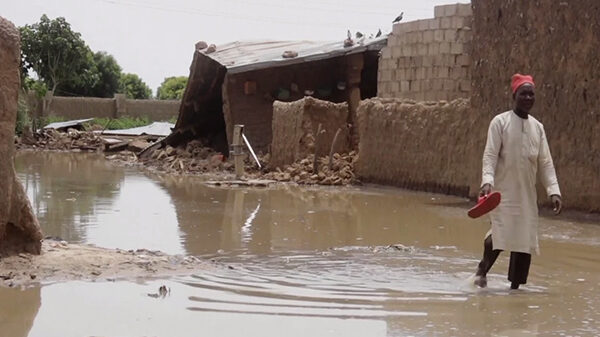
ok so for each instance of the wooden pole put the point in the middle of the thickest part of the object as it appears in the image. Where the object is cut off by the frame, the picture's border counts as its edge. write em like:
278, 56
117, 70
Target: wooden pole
237, 150
315, 160
337, 134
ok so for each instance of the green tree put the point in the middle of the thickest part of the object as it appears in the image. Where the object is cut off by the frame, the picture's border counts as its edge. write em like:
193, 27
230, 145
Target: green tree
172, 88
56, 53
133, 87
108, 73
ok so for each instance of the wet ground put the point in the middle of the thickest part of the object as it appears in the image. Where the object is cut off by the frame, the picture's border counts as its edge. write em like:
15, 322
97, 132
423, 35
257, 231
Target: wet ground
306, 262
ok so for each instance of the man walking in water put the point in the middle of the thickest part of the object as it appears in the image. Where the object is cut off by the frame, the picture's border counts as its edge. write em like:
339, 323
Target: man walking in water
515, 151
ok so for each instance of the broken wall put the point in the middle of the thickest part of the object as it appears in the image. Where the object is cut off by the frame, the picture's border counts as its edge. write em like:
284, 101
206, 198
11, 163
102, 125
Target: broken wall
429, 59
295, 126
250, 95
435, 147
19, 228
558, 43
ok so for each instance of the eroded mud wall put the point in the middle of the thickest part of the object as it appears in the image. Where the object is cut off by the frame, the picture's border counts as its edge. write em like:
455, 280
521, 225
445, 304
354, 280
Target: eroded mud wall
558, 42
295, 126
434, 147
19, 228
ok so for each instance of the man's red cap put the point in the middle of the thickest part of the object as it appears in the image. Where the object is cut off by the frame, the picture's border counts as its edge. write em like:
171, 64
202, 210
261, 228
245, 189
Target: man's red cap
518, 80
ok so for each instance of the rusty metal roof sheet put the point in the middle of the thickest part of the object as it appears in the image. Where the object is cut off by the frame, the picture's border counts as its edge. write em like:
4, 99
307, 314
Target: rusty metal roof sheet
244, 56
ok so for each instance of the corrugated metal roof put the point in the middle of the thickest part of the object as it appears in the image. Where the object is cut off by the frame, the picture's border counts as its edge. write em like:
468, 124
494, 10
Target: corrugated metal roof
66, 124
154, 129
244, 56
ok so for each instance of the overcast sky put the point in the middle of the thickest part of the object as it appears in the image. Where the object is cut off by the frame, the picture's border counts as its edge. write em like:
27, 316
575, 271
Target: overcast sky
155, 39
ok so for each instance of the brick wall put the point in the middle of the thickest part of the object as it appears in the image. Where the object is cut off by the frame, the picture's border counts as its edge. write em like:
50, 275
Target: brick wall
428, 60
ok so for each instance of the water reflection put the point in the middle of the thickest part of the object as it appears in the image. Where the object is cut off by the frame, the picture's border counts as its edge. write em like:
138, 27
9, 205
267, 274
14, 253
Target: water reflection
65, 189
304, 261
18, 309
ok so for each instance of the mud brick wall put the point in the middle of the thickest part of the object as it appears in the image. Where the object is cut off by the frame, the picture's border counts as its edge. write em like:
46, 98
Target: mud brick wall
435, 147
558, 43
295, 127
429, 60
93, 107
156, 110
81, 107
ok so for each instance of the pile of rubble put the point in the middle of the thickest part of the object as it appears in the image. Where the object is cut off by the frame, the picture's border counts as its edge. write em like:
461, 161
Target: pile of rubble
340, 171
194, 158
51, 139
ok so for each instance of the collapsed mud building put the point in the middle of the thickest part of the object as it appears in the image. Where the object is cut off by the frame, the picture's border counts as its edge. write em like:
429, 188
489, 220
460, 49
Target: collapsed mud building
237, 83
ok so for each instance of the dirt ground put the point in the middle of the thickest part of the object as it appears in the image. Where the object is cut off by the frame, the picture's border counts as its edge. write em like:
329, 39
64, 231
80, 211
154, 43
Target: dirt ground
61, 261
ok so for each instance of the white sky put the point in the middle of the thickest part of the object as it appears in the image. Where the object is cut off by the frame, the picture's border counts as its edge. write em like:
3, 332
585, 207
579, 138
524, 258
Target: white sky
155, 39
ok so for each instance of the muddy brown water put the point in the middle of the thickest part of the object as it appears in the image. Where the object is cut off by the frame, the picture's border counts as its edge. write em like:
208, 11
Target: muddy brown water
306, 262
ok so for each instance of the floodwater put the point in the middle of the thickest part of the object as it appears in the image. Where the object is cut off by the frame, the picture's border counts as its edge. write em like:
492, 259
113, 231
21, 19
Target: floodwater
304, 262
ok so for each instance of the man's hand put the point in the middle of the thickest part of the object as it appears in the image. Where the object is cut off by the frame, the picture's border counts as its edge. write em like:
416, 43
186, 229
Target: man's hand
556, 203
485, 190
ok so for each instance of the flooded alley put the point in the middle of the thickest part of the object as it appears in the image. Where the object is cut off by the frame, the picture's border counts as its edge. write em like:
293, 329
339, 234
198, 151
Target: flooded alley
364, 261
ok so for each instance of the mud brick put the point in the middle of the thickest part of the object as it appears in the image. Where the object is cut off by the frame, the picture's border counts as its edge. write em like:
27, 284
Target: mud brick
386, 76
446, 23
404, 86
438, 84
428, 36
450, 10
450, 35
434, 49
423, 24
438, 35
463, 60
456, 48
386, 53
458, 22
400, 28
449, 85
415, 85
445, 48
427, 61
464, 10
443, 72
465, 34
438, 11
465, 85
434, 24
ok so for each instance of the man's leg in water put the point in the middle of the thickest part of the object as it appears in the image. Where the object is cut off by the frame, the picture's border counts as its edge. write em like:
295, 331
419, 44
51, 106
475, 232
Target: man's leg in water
489, 257
518, 270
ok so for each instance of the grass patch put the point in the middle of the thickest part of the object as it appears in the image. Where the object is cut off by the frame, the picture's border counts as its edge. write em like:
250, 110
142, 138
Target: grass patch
23, 119
124, 122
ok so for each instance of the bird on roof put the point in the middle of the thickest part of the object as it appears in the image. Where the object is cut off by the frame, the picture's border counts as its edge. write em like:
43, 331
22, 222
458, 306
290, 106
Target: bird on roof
399, 18
348, 41
378, 33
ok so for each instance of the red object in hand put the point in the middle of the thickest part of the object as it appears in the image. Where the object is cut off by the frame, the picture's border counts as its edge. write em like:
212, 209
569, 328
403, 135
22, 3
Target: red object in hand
485, 204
